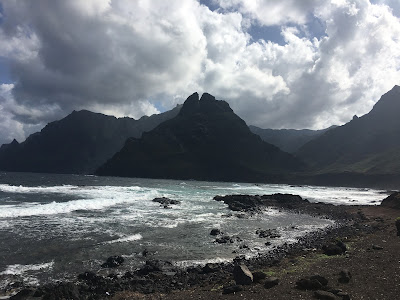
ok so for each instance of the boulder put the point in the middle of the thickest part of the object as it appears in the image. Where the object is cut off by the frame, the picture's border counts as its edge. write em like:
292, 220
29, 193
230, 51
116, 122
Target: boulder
258, 276
314, 282
215, 232
166, 201
242, 275
337, 248
397, 223
344, 276
113, 262
268, 233
232, 289
210, 268
271, 282
393, 201
324, 295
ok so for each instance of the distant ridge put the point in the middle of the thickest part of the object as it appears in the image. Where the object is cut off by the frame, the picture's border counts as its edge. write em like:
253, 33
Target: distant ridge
366, 145
289, 140
76, 144
205, 141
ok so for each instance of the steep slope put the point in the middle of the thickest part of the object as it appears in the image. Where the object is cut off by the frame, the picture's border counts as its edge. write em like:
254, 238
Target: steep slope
207, 140
78, 143
368, 145
289, 140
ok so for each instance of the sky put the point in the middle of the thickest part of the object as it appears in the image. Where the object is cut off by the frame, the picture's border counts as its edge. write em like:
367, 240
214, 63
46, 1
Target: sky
279, 64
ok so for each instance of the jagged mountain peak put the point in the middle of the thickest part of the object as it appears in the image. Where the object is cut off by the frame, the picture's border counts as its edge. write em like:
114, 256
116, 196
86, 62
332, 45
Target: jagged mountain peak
206, 104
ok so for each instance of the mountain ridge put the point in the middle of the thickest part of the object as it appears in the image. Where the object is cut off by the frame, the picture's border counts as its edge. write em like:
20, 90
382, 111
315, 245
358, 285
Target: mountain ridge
205, 141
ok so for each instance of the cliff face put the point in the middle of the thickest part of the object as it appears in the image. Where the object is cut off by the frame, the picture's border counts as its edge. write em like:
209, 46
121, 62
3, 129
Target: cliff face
205, 141
369, 144
78, 143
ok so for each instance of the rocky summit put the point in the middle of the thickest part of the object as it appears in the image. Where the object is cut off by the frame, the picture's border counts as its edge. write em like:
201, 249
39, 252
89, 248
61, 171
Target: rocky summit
205, 141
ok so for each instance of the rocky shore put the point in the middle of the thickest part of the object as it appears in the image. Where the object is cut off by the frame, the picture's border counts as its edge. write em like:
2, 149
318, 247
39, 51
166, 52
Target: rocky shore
357, 258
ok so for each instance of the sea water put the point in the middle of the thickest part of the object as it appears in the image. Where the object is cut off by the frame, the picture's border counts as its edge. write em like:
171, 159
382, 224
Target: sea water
53, 227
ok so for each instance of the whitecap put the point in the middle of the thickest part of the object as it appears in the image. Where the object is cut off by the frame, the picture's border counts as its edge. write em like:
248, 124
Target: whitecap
126, 239
20, 269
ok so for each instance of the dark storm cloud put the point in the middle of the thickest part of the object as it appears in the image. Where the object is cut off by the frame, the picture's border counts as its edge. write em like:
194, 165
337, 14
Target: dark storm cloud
333, 59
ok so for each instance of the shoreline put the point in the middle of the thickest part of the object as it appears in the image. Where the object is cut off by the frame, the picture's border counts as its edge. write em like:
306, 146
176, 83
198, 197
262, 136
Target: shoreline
161, 279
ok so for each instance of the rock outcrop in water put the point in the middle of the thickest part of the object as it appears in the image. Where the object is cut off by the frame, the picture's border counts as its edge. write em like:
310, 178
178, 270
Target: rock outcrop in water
205, 141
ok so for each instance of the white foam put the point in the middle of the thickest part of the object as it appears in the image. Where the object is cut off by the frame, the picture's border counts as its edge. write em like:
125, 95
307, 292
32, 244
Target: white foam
20, 269
130, 238
91, 198
203, 262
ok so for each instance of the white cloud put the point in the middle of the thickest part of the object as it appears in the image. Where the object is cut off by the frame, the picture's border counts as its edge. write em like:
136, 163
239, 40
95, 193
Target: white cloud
130, 57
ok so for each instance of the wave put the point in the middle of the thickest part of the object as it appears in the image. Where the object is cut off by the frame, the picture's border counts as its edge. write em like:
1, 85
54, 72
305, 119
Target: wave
88, 198
130, 238
20, 269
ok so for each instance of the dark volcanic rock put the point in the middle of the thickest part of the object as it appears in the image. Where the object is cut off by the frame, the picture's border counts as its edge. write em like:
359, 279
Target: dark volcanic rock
113, 262
344, 276
314, 282
337, 248
254, 202
65, 290
271, 282
393, 201
242, 275
205, 141
215, 231
232, 289
166, 201
259, 276
324, 295
397, 223
268, 233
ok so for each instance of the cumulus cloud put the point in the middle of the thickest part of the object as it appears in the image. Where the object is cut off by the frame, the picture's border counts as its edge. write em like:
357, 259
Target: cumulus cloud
136, 57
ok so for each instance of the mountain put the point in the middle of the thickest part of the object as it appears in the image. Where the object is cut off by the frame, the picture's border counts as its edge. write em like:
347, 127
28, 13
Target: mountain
205, 141
76, 144
366, 145
289, 140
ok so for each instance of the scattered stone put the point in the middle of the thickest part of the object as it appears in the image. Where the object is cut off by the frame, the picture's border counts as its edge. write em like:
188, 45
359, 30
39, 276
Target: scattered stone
232, 289
215, 231
271, 282
344, 296
210, 268
377, 247
23, 294
268, 233
398, 226
113, 262
242, 275
324, 295
224, 239
268, 244
166, 202
258, 276
337, 248
315, 282
344, 276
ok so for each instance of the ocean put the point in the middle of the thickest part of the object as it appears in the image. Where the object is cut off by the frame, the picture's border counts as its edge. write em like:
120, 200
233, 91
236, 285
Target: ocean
53, 227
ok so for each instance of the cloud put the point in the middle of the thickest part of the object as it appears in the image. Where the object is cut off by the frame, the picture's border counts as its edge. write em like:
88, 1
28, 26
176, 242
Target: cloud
136, 57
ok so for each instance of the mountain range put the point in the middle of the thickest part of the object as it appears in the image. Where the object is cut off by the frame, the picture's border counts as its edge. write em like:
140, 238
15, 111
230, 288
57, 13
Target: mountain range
366, 145
205, 139
289, 140
76, 144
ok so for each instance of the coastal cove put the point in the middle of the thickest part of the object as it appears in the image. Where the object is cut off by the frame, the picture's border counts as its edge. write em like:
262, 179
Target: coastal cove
54, 227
